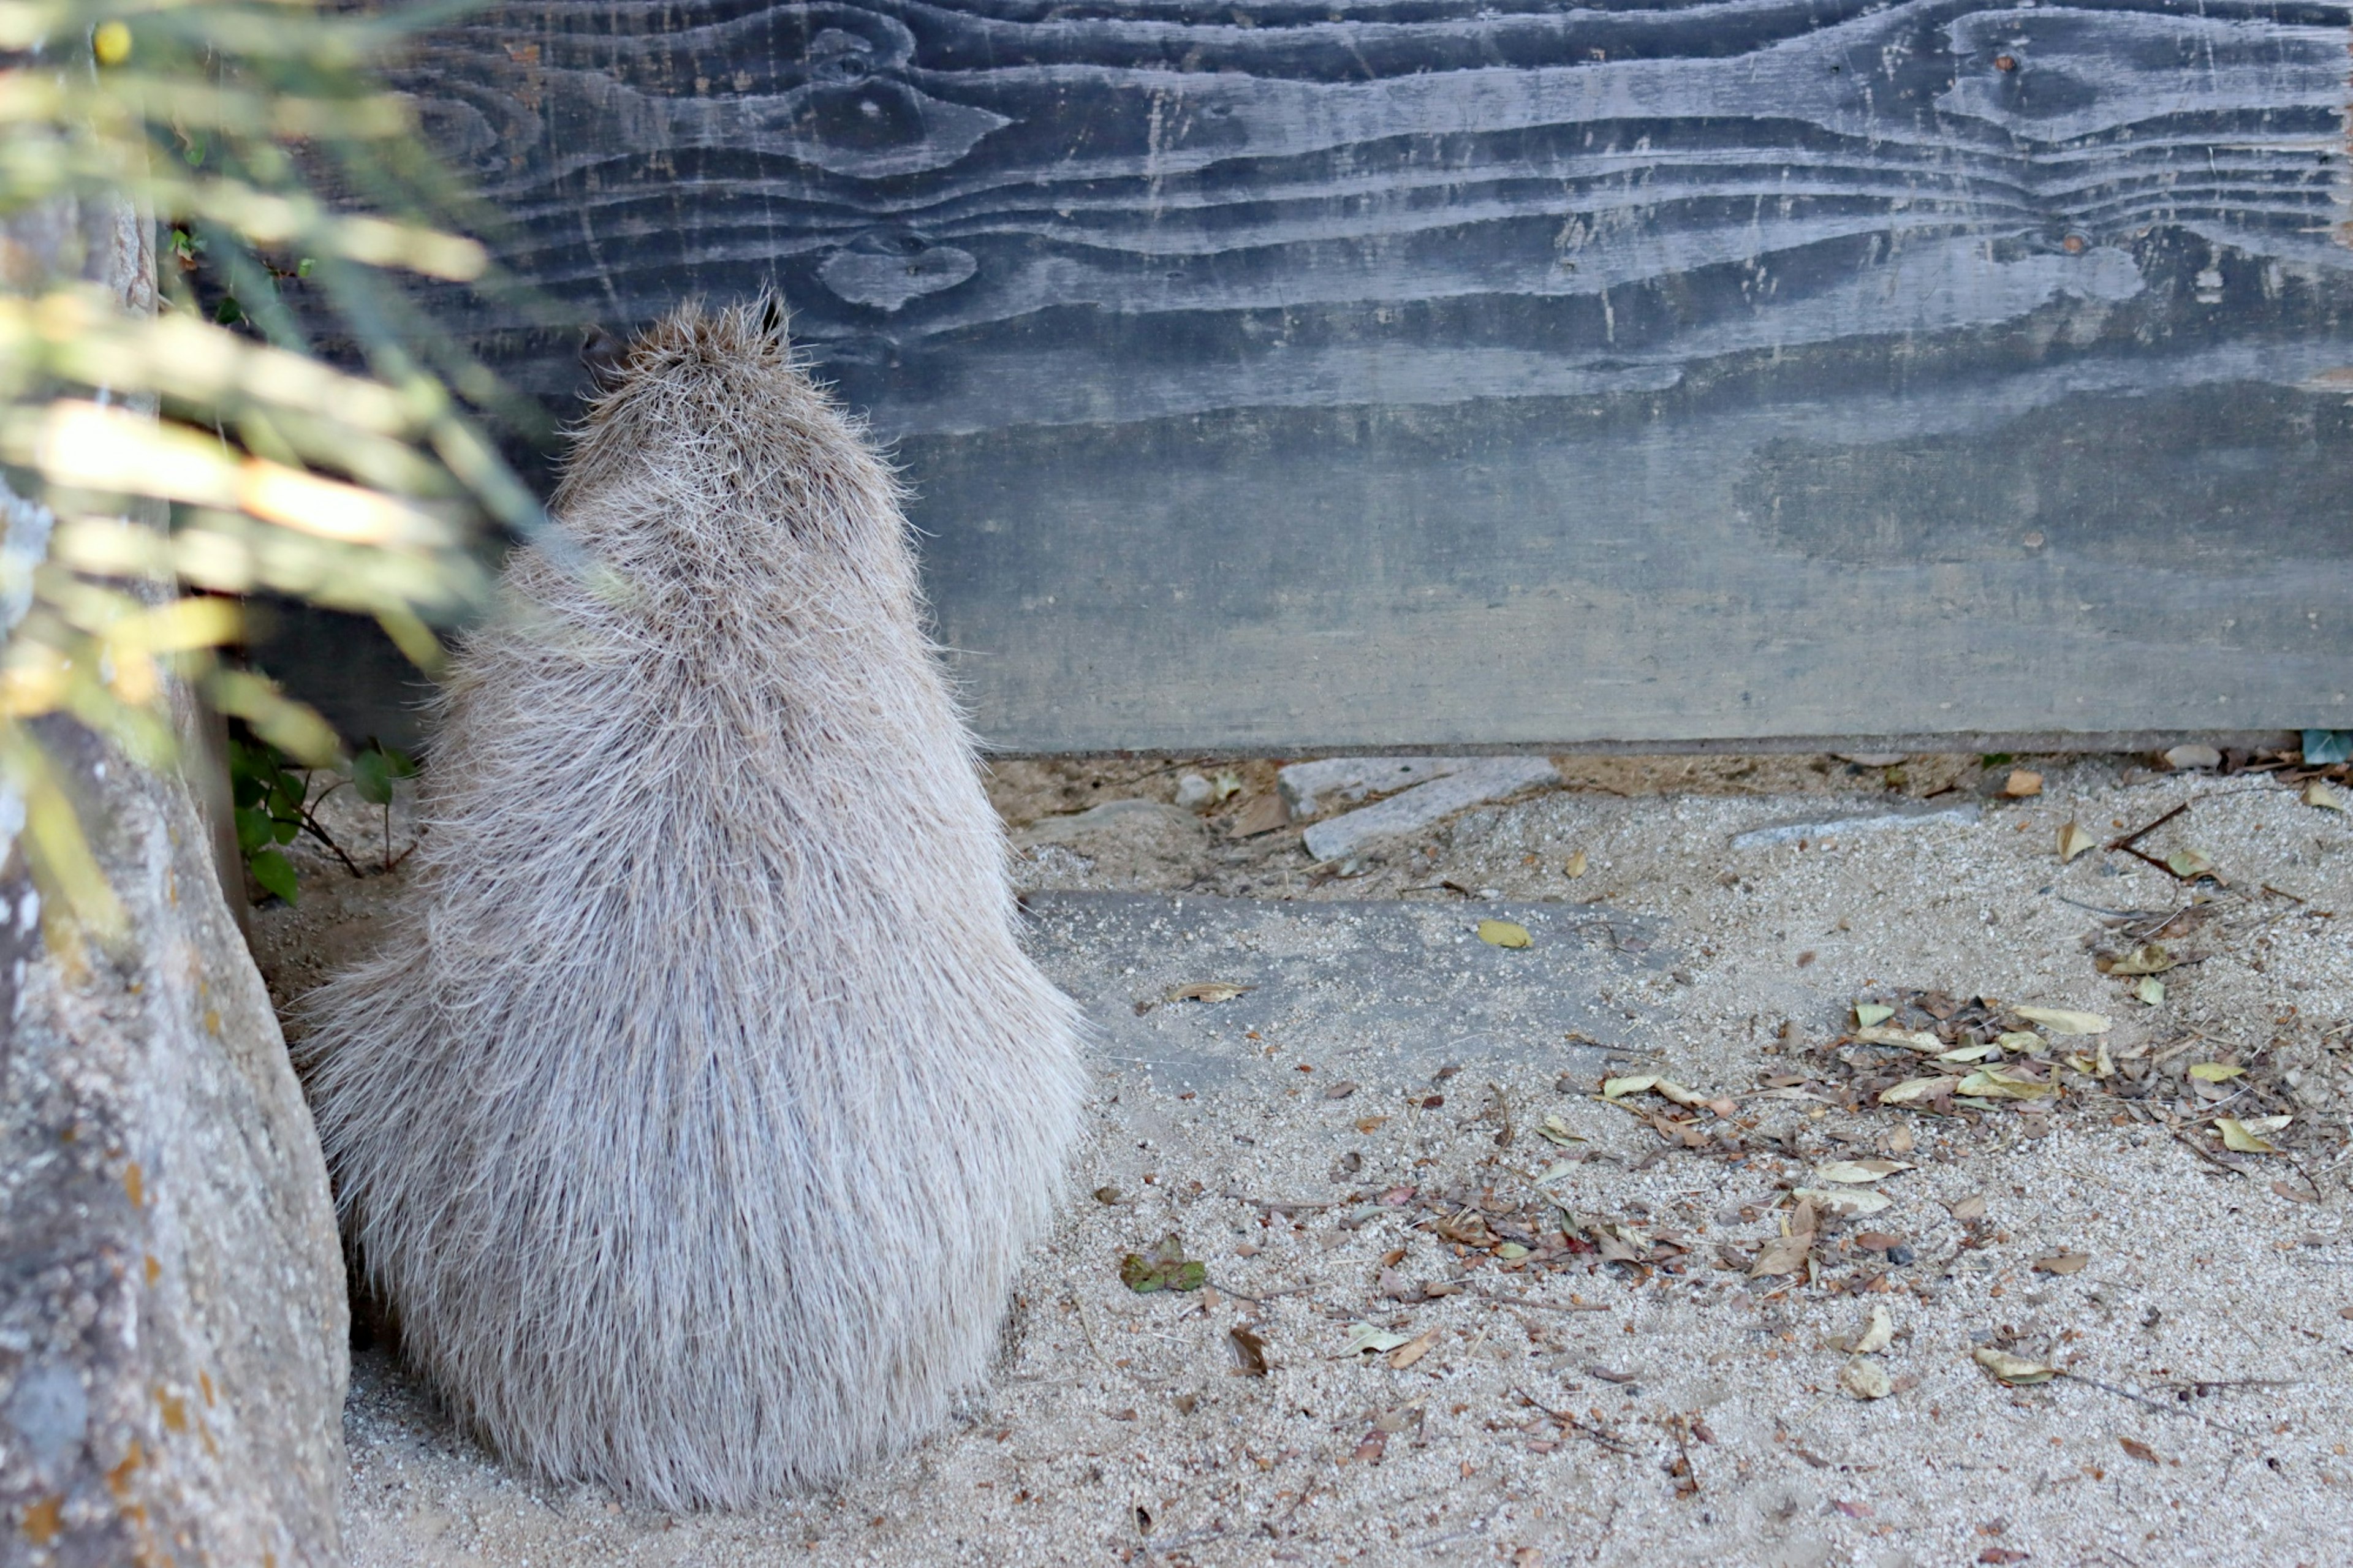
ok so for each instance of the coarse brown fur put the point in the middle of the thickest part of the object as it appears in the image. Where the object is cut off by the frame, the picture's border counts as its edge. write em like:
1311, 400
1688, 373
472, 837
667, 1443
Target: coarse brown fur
697, 1112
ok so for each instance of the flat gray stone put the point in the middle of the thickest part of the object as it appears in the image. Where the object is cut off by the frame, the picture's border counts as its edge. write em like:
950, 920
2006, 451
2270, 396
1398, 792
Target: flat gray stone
1383, 992
1487, 778
1309, 789
1872, 819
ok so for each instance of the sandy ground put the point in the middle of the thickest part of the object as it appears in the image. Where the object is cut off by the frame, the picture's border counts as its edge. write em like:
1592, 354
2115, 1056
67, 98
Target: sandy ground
1601, 1379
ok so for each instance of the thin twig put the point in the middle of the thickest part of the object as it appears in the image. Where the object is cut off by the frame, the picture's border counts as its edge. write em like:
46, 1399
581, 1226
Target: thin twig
2138, 833
2199, 1149
1547, 1305
2169, 1407
1569, 1422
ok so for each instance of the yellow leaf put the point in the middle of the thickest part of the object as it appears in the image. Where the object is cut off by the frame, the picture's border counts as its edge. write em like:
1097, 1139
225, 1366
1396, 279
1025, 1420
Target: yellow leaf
2317, 793
2188, 865
2060, 1021
2151, 991
2022, 783
2215, 1072
1502, 934
1911, 1089
1871, 1014
1613, 1089
1575, 865
2019, 1041
2239, 1140
2074, 841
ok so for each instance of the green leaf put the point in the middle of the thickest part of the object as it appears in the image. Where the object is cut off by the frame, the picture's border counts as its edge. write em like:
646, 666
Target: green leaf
284, 828
276, 875
1163, 1267
253, 829
302, 268
372, 775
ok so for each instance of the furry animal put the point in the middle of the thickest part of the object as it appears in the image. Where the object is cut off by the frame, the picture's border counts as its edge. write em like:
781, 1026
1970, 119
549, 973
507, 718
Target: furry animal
698, 1109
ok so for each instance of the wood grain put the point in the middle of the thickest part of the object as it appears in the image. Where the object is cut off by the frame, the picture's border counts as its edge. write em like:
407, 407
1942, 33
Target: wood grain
1419, 372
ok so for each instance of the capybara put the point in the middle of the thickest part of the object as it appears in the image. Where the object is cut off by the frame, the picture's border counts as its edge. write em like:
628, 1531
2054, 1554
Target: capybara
694, 1115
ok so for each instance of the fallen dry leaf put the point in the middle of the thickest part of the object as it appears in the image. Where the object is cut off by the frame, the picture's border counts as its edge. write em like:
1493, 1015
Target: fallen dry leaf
2149, 958
1503, 933
2021, 783
2018, 1042
1370, 1124
1413, 1349
2140, 1450
1878, 1331
2317, 793
2188, 865
1992, 1083
1970, 1208
2074, 841
1860, 1170
2214, 1072
1870, 1015
1846, 1202
1912, 1089
1909, 1039
2062, 1263
1264, 814
2061, 1021
1364, 1338
2193, 755
1782, 1255
2151, 992
1576, 865
1249, 1352
1866, 1379
1209, 991
1556, 1131
2012, 1369
2245, 1137
1341, 1089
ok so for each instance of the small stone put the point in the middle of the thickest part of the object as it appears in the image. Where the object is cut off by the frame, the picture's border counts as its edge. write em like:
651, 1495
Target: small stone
2180, 758
1194, 792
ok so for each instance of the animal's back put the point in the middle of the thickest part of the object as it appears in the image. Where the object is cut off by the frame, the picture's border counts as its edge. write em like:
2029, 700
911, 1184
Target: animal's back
696, 1114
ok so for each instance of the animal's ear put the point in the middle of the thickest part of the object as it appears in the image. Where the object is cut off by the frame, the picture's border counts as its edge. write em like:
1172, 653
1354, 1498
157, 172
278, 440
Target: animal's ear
604, 354
772, 317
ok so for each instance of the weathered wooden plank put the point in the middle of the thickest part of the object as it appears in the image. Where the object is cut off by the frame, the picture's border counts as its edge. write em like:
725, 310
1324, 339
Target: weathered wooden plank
1430, 372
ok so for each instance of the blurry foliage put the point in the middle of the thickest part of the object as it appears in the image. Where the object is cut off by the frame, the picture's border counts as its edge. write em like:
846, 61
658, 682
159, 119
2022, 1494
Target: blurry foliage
294, 413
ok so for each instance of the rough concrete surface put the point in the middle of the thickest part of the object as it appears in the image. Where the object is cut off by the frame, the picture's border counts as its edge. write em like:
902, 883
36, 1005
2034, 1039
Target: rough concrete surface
173, 1315
1604, 1375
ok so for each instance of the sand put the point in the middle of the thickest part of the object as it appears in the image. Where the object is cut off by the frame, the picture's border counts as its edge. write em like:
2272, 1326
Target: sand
1558, 1407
